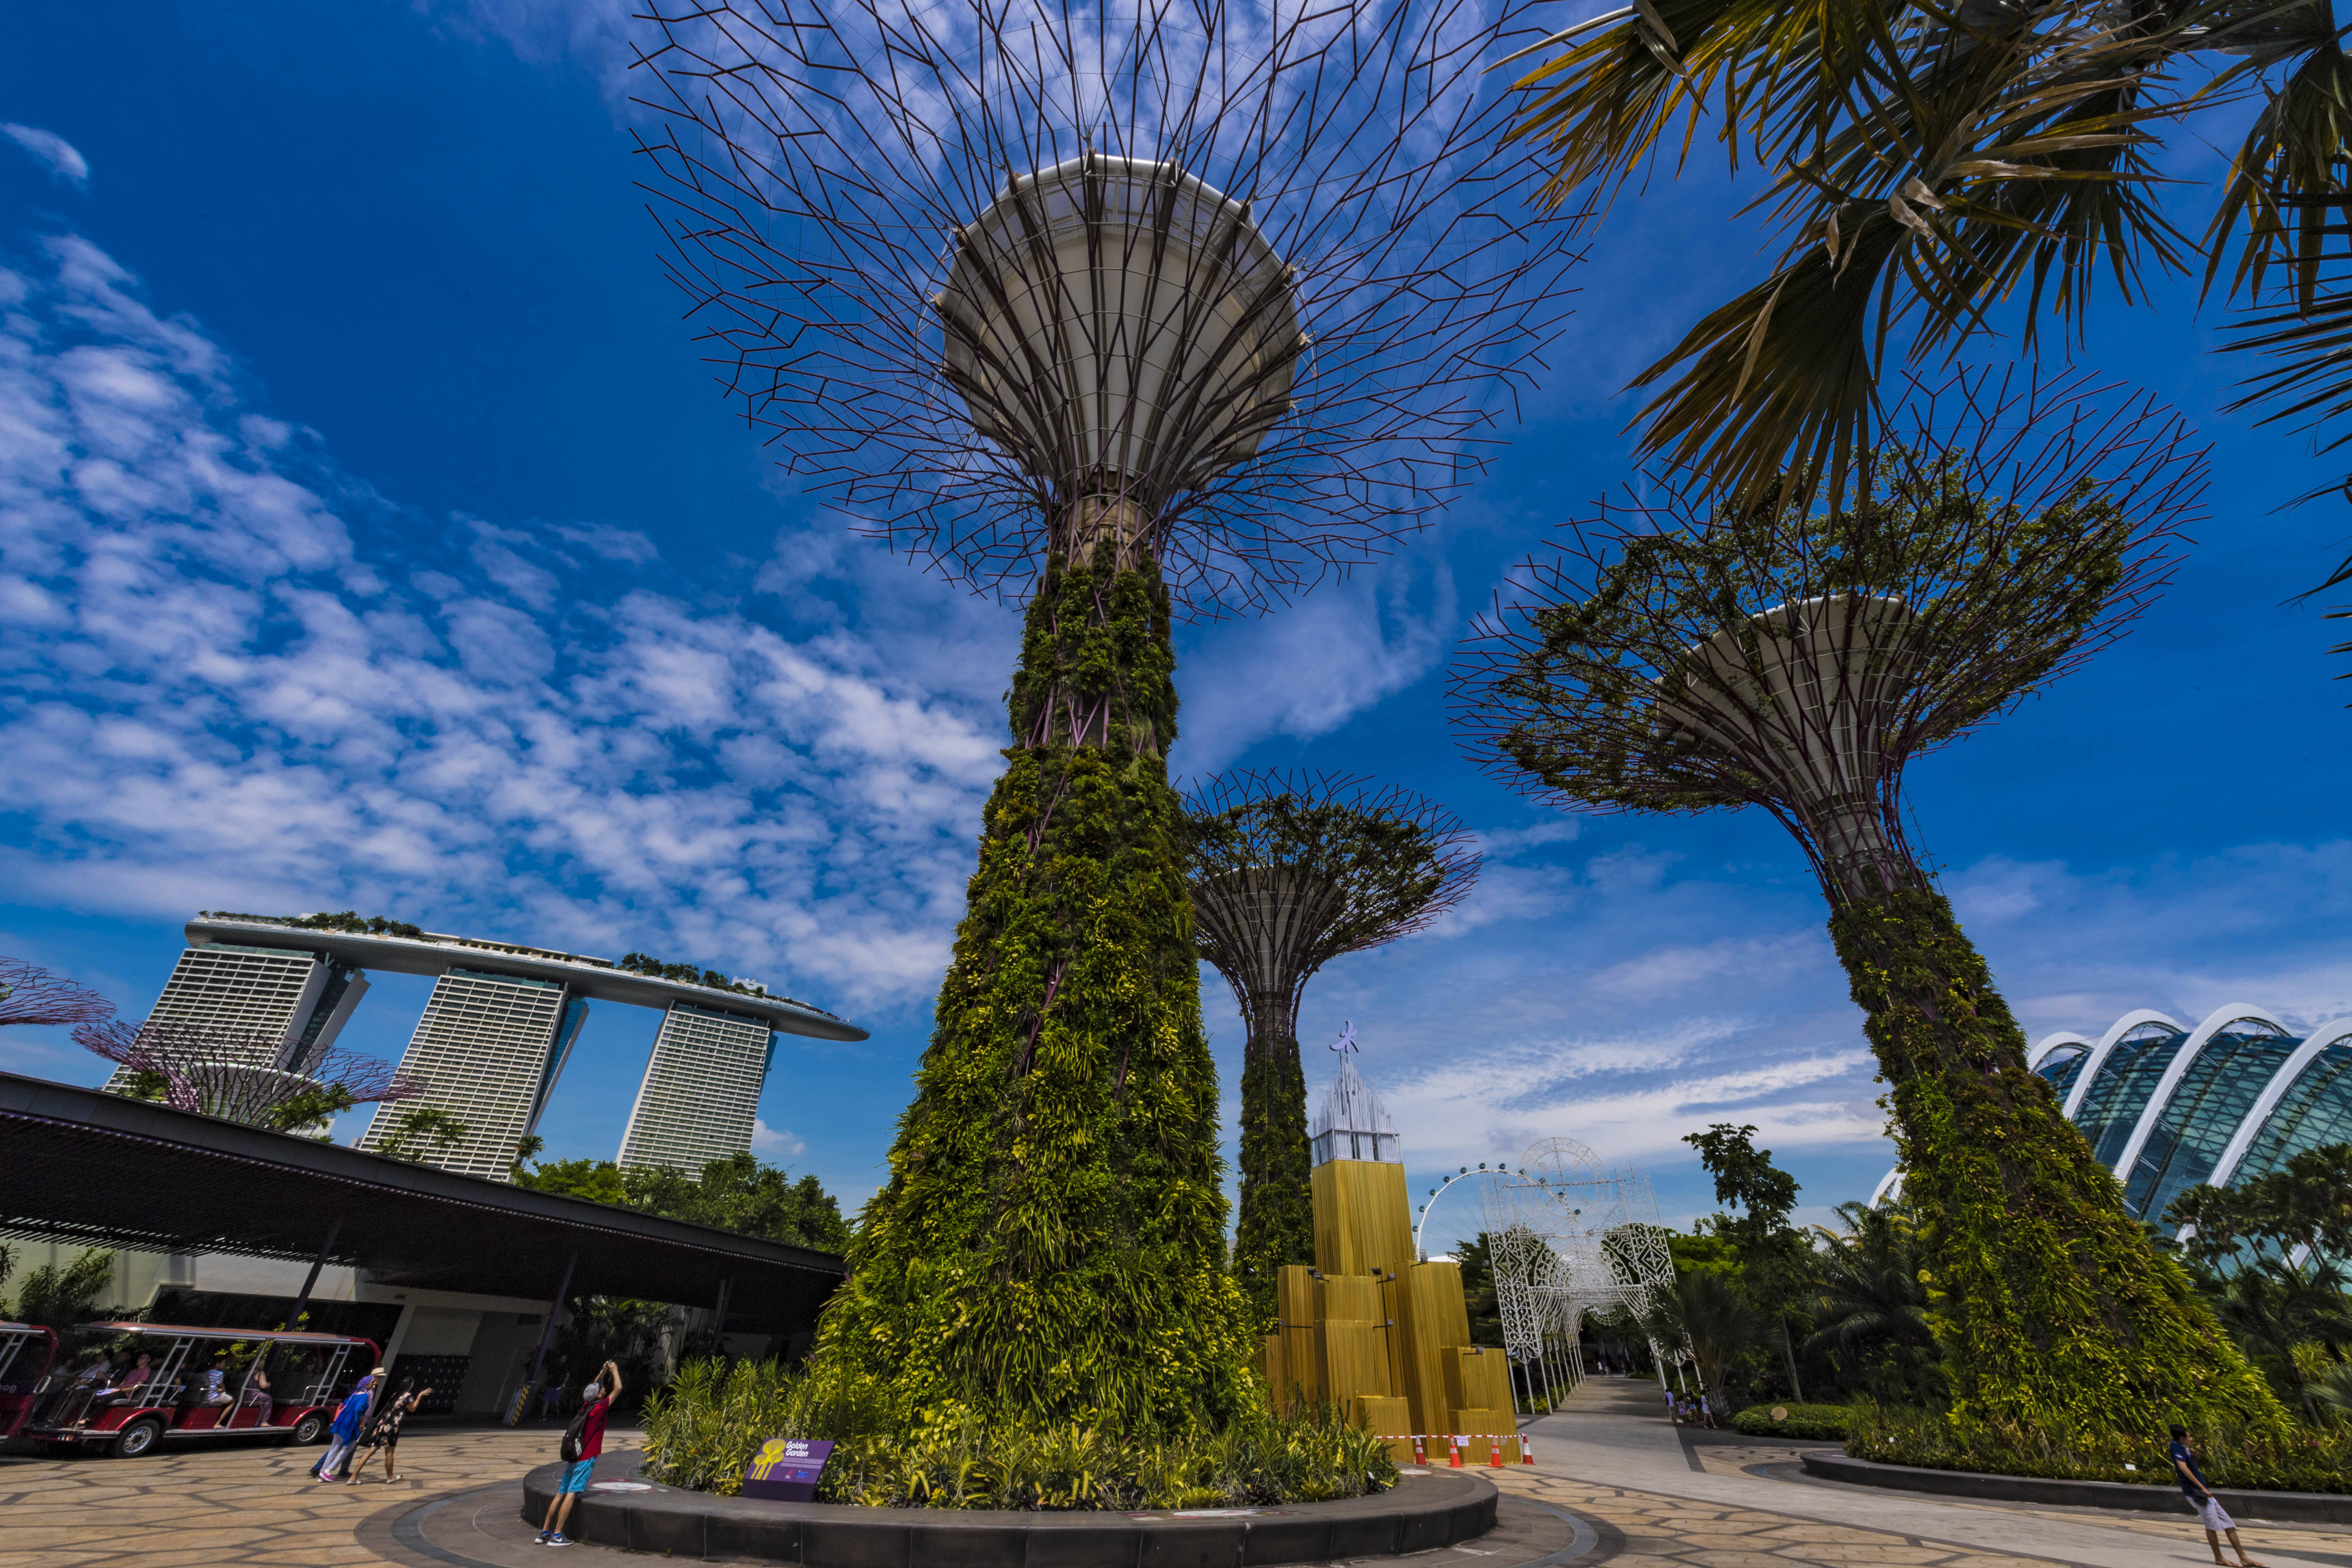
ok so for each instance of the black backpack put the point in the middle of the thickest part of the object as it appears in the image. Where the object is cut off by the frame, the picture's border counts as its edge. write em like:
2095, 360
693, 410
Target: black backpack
575, 1435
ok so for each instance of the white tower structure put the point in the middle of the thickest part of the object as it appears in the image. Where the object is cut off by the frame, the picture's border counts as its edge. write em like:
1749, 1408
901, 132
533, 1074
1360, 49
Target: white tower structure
701, 1089
489, 1048
273, 1007
1352, 1123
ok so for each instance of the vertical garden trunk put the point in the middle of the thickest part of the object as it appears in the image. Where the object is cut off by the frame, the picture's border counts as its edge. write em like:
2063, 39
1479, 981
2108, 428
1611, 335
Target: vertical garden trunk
2053, 1312
1049, 1247
1276, 1224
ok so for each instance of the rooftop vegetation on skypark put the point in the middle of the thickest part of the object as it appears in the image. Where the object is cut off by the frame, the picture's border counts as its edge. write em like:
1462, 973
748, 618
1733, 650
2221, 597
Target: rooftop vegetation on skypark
690, 974
349, 920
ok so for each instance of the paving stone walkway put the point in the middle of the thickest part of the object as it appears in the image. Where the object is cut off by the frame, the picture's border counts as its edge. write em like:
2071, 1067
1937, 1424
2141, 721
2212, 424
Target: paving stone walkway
1709, 1500
193, 1508
1610, 1458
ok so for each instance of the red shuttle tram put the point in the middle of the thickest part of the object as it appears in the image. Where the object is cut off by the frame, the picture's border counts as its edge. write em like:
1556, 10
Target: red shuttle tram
157, 1382
26, 1353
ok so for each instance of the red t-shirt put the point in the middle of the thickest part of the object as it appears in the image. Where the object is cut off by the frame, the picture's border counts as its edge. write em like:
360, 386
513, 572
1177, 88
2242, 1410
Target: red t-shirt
591, 1436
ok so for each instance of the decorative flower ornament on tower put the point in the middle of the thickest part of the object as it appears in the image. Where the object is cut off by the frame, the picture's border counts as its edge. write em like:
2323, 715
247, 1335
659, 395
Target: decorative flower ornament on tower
1125, 315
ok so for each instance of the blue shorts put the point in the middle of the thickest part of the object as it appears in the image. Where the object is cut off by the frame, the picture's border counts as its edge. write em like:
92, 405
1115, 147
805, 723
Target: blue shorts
575, 1477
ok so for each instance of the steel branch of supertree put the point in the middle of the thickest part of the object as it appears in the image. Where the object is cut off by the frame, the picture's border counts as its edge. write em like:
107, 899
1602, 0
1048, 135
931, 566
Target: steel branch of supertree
1248, 290
1678, 654
1291, 870
234, 1076
32, 994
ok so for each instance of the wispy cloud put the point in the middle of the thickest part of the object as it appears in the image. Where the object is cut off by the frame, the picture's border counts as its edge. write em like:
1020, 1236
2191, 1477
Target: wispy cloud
51, 151
236, 677
777, 1144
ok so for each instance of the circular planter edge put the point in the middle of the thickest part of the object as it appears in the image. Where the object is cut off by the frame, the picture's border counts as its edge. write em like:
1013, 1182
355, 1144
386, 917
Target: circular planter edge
2294, 1507
1425, 1512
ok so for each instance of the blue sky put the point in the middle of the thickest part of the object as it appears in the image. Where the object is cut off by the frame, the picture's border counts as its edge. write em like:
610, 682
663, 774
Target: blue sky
372, 537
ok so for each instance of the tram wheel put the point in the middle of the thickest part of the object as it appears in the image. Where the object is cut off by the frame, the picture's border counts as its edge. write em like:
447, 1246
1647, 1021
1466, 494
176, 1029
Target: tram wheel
137, 1438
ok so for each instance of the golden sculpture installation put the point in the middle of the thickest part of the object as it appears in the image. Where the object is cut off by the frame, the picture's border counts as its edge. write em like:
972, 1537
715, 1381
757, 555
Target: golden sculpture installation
1382, 1336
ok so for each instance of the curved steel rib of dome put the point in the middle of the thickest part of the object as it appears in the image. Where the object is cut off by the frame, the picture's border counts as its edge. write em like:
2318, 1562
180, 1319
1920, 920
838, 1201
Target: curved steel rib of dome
2168, 1107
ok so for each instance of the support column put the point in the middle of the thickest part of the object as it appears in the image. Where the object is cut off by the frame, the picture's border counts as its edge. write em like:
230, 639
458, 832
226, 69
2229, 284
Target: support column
546, 1337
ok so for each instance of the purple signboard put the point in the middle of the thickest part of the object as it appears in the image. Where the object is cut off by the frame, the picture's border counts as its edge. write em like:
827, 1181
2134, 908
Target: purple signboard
785, 1469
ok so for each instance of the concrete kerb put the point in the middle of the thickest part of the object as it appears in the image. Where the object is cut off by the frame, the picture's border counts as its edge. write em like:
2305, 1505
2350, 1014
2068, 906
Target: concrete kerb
2289, 1507
1424, 1512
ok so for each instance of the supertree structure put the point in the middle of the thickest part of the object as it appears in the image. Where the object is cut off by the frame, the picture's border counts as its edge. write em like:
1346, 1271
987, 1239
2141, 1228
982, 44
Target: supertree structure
213, 1071
1126, 314
32, 994
1288, 872
1681, 656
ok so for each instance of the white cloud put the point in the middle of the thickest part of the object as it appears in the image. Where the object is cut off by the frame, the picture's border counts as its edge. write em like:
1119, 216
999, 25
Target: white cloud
777, 1142
225, 683
1310, 668
51, 151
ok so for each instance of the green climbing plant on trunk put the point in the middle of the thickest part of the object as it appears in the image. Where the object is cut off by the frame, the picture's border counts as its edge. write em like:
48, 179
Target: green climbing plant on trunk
1049, 1247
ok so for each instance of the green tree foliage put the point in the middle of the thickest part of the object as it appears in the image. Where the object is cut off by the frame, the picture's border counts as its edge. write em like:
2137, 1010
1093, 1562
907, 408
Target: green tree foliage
2305, 1206
1049, 1247
316, 1103
1773, 1254
737, 1193
597, 1180
1930, 164
1870, 1311
420, 1132
59, 1297
1708, 1312
1477, 1261
2285, 1316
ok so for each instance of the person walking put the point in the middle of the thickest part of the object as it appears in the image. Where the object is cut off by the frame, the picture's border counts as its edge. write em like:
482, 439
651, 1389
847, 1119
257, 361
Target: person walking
2210, 1511
583, 1443
344, 1433
382, 1434
550, 1398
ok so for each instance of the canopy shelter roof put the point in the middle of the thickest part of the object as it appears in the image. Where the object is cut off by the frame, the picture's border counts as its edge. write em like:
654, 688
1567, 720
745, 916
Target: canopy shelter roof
599, 979
85, 1167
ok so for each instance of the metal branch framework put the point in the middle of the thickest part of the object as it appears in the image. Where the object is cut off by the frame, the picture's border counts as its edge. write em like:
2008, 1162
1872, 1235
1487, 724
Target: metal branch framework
1680, 656
32, 994
1245, 289
1291, 870
234, 1076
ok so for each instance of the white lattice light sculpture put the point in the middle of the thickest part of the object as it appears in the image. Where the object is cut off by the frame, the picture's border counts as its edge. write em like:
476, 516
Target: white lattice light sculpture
1568, 1233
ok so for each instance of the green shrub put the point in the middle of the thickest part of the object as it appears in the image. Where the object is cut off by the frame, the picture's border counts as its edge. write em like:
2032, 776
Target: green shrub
1828, 1422
2295, 1459
704, 1427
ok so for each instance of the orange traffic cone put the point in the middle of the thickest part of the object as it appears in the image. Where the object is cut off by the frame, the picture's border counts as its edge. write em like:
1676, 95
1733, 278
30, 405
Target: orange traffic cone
1526, 1455
1453, 1450
1420, 1454
1494, 1453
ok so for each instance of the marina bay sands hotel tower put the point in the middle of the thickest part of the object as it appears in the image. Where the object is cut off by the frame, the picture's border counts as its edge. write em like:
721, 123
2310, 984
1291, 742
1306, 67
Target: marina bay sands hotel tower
496, 1034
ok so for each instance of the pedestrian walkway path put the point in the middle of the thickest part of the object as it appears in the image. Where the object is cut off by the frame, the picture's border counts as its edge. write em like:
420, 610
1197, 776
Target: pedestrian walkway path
195, 1508
1610, 1453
